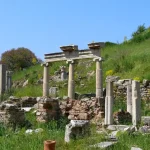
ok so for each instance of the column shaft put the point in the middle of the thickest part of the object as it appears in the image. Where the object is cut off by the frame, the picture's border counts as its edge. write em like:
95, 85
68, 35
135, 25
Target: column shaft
99, 79
129, 98
2, 78
46, 81
136, 103
109, 103
71, 92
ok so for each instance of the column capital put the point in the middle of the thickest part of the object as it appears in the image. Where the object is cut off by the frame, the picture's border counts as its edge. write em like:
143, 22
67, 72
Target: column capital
70, 61
45, 64
98, 59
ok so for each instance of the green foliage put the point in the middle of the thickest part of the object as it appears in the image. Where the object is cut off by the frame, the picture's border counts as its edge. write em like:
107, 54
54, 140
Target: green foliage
109, 73
31, 90
19, 58
141, 34
119, 103
140, 29
110, 43
137, 79
2, 129
29, 72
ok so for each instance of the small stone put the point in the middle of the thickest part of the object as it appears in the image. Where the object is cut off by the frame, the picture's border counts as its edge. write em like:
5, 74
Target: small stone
103, 144
29, 131
135, 148
39, 130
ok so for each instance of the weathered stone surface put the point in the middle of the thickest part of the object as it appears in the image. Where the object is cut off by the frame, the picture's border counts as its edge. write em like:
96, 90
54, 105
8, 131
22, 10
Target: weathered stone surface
135, 148
103, 144
10, 114
84, 109
76, 128
47, 109
109, 99
2, 78
53, 91
25, 83
144, 129
144, 89
130, 129
136, 103
146, 120
28, 101
117, 127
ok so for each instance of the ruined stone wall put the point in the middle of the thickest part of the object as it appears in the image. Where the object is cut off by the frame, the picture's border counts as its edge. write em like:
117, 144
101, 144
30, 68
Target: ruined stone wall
47, 109
120, 90
10, 114
84, 109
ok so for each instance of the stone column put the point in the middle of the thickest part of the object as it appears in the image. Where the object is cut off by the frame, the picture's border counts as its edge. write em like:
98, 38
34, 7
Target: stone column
63, 73
136, 103
109, 100
8, 80
129, 98
71, 92
99, 78
2, 78
46, 79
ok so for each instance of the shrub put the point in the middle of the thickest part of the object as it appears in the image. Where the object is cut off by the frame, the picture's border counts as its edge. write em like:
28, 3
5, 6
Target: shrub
109, 72
138, 38
140, 29
18, 58
137, 79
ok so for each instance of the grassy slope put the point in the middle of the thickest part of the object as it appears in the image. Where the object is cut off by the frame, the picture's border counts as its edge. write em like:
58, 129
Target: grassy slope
126, 61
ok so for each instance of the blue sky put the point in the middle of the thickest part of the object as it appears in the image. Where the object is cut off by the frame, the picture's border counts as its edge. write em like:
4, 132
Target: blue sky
45, 25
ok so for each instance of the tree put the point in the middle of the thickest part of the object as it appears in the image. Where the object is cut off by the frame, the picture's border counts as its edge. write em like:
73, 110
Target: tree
18, 58
140, 29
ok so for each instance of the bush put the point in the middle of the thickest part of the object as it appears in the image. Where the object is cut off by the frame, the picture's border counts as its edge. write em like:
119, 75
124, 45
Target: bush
140, 34
137, 79
109, 73
140, 29
19, 58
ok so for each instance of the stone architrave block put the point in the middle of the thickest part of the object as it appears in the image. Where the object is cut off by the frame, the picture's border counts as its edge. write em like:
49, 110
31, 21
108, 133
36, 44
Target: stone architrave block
76, 128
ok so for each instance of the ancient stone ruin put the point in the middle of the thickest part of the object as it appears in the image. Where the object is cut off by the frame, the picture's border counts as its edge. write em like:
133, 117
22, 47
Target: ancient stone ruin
5, 78
47, 109
133, 100
75, 109
100, 106
10, 114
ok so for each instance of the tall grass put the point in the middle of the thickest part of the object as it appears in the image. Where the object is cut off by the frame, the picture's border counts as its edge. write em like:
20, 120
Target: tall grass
31, 90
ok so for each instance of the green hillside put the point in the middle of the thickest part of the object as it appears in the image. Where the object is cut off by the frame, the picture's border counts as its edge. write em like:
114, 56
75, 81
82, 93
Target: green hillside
128, 60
